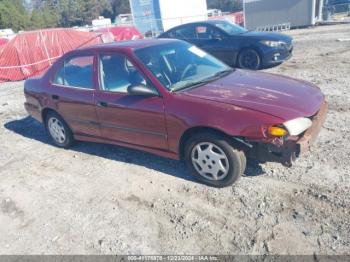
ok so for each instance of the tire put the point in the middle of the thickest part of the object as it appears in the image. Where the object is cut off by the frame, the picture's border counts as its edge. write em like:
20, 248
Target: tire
58, 130
212, 152
243, 161
249, 59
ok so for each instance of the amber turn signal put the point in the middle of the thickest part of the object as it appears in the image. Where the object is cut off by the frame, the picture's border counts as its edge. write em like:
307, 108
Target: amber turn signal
277, 131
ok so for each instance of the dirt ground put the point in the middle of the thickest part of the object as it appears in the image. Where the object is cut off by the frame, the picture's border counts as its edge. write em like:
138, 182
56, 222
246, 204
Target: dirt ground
101, 199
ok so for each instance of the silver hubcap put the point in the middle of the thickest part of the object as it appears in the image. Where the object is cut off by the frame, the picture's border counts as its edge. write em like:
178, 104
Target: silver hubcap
210, 161
56, 130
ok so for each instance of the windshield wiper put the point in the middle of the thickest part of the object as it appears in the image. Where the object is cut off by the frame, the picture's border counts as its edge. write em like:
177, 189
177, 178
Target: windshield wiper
222, 73
190, 85
194, 84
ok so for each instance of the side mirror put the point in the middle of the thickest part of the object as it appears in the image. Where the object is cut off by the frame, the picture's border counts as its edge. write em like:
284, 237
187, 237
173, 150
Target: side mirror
142, 90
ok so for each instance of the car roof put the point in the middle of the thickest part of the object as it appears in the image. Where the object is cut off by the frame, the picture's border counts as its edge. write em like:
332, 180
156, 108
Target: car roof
215, 21
210, 22
128, 45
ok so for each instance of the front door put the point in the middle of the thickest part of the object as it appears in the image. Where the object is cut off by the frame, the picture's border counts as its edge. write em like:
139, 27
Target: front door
214, 42
131, 119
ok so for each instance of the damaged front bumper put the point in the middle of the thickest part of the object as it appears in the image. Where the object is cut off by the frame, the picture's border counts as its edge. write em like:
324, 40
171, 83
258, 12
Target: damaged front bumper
293, 146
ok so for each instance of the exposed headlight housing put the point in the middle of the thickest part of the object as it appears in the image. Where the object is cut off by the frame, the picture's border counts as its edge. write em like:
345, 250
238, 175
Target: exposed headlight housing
273, 43
297, 126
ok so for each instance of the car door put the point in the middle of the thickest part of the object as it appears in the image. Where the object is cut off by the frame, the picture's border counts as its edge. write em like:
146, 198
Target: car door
72, 92
132, 119
215, 42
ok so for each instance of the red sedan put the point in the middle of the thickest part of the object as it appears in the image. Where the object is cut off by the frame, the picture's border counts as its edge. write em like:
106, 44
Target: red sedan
172, 99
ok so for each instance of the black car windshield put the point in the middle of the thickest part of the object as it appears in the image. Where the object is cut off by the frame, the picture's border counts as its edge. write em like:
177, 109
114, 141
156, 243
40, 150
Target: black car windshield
179, 65
230, 28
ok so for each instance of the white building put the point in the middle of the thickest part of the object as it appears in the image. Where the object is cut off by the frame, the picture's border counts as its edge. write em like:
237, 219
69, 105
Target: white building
7, 33
101, 22
214, 12
174, 13
161, 15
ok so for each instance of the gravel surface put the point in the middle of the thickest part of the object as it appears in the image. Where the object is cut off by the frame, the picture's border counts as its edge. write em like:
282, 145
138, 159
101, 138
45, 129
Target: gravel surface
101, 199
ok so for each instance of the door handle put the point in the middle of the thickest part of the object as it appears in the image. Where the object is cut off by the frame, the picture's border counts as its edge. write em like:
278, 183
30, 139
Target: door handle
102, 104
55, 97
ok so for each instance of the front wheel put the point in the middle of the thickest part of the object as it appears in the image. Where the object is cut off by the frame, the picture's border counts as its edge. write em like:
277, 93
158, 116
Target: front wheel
213, 161
249, 59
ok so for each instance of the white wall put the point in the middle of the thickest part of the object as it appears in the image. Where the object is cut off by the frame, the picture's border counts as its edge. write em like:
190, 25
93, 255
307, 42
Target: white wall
260, 13
101, 22
177, 12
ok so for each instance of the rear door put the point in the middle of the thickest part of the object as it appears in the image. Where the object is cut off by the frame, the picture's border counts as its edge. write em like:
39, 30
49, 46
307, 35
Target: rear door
72, 91
137, 120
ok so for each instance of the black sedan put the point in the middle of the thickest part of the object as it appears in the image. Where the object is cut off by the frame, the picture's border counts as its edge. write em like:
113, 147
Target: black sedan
235, 45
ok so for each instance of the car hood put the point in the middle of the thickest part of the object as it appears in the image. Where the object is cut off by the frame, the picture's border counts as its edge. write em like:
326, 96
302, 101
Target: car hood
279, 96
269, 36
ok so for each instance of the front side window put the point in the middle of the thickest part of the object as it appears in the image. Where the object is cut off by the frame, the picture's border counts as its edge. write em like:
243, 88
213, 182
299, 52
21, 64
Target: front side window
230, 28
207, 32
76, 72
117, 73
180, 65
203, 32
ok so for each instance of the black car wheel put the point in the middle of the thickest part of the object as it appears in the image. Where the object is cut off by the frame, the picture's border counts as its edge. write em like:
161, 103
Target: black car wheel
249, 59
58, 130
213, 161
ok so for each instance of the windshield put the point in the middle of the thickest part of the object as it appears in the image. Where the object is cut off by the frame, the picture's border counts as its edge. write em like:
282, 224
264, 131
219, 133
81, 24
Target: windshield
179, 65
230, 28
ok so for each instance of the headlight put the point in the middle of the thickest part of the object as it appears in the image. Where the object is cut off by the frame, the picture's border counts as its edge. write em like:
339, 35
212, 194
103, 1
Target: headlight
273, 43
297, 126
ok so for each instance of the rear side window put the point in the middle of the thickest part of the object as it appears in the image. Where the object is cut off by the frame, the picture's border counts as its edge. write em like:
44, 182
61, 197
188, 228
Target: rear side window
184, 32
76, 72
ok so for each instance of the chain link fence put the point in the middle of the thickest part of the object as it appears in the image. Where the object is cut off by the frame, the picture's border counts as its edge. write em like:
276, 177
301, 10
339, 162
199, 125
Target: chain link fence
274, 28
336, 12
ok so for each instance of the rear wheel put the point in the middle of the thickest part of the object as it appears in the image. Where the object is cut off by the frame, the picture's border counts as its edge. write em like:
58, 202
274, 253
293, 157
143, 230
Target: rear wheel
58, 130
213, 161
249, 59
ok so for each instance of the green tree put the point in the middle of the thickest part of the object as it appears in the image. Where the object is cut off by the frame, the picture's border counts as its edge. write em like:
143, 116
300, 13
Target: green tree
34, 14
36, 19
13, 15
92, 9
70, 12
226, 5
50, 15
120, 7
44, 16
